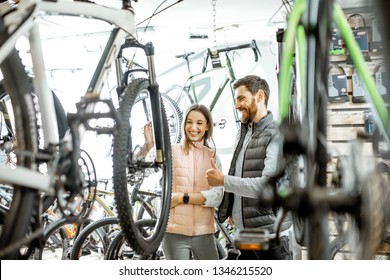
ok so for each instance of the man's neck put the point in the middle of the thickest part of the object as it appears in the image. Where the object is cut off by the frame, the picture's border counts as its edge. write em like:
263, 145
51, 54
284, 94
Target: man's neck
259, 117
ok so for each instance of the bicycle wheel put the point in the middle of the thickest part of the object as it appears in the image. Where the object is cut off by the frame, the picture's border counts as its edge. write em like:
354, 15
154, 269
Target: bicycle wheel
173, 114
58, 238
22, 210
94, 239
174, 117
119, 249
142, 173
56, 242
337, 251
180, 96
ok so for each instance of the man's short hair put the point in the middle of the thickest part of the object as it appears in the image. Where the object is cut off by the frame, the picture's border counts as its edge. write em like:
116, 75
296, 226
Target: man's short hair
254, 83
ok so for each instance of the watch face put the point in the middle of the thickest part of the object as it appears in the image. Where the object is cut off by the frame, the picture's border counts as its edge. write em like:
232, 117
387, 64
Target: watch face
186, 198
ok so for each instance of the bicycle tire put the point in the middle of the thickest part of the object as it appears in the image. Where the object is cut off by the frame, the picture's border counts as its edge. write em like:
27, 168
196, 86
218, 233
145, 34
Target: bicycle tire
124, 141
57, 227
222, 254
175, 118
115, 249
297, 174
96, 226
180, 96
335, 248
22, 211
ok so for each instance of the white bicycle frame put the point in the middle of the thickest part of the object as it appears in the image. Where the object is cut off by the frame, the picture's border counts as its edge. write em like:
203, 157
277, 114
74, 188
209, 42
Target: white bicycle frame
25, 22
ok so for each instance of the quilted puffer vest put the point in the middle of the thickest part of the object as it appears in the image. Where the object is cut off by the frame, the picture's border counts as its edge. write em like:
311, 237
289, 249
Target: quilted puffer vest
189, 176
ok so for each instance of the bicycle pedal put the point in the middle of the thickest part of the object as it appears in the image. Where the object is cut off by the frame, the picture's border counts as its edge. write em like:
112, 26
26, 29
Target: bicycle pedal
92, 119
253, 239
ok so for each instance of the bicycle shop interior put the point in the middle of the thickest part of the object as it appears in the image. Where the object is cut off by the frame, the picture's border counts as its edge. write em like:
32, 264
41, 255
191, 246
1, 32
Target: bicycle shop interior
71, 49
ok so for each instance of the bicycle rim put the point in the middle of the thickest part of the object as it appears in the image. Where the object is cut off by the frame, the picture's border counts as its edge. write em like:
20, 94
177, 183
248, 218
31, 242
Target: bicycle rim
144, 174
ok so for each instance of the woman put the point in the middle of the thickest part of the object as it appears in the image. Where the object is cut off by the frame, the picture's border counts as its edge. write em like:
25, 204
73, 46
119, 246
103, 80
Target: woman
190, 229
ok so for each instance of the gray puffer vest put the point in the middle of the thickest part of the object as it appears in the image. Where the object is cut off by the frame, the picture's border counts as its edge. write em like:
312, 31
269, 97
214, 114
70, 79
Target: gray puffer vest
254, 215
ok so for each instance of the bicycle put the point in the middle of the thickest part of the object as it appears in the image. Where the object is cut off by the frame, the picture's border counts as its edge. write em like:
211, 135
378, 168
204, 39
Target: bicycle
22, 229
189, 93
302, 108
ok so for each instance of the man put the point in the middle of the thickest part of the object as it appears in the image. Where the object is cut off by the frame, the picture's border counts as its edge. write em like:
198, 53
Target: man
254, 161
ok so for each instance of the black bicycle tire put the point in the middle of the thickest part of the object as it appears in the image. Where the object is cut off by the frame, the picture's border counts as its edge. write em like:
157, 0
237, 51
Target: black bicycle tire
58, 225
25, 200
335, 246
117, 242
300, 224
125, 213
178, 116
51, 228
222, 254
112, 250
105, 221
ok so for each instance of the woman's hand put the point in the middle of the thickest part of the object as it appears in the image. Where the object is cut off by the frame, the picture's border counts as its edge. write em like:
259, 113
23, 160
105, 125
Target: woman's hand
176, 199
149, 141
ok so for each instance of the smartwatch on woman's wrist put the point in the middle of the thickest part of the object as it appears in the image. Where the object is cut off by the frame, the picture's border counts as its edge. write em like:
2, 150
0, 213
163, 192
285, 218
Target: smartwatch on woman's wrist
186, 198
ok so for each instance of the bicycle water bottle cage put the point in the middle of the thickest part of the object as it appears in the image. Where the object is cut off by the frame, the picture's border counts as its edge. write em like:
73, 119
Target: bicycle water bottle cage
337, 85
359, 91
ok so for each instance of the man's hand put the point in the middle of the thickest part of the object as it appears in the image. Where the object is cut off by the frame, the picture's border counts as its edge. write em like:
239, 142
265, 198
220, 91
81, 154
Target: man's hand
214, 176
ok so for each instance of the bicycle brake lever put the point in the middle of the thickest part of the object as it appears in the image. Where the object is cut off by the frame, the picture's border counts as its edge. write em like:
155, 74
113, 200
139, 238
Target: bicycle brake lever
255, 50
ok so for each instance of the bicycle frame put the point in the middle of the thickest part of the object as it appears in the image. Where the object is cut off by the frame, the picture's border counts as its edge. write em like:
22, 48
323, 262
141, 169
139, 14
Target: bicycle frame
24, 19
190, 84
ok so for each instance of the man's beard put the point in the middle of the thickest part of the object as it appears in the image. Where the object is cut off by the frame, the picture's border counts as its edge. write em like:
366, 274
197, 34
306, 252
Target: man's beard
249, 114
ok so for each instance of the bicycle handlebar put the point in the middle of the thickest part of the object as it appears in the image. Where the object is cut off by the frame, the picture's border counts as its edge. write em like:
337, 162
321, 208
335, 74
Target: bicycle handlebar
252, 45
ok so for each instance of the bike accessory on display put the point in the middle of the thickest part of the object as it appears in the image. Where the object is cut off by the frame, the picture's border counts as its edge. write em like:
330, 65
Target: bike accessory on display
369, 123
186, 198
380, 76
359, 30
215, 59
336, 43
376, 39
337, 86
359, 90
